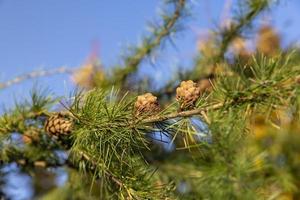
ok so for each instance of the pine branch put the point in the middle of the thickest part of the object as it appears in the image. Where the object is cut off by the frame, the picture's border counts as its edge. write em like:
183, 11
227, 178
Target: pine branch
150, 43
36, 74
243, 21
110, 144
95, 164
255, 7
222, 39
182, 114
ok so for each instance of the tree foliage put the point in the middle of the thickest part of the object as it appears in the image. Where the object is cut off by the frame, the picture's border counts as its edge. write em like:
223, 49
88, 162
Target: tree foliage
239, 140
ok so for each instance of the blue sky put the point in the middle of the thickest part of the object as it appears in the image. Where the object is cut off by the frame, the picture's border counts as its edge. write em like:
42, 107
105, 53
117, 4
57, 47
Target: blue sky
46, 34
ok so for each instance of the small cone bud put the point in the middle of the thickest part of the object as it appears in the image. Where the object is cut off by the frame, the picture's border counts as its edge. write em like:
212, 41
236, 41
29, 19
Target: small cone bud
89, 75
239, 47
30, 136
187, 94
146, 103
58, 124
268, 41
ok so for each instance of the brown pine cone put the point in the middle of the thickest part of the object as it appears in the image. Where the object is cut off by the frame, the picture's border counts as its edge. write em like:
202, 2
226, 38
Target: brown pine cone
187, 94
58, 124
146, 103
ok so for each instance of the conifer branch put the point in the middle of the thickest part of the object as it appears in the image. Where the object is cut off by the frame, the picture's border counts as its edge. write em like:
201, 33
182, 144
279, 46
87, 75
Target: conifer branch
116, 146
182, 114
19, 157
36, 74
95, 164
150, 42
243, 21
223, 38
228, 34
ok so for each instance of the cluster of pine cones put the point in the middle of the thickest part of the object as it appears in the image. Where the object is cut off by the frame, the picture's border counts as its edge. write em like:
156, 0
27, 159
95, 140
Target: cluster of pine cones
186, 94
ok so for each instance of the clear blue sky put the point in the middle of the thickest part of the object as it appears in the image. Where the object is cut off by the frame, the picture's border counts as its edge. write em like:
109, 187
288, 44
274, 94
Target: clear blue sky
44, 34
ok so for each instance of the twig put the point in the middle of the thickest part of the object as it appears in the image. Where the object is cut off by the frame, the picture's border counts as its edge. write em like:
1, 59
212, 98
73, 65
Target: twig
111, 176
182, 114
36, 74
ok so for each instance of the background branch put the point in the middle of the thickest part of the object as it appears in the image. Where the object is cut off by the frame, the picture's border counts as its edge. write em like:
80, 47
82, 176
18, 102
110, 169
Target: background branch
36, 74
150, 43
230, 33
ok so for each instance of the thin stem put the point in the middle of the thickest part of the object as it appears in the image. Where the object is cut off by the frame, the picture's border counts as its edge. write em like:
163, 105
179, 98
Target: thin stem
94, 163
182, 114
35, 74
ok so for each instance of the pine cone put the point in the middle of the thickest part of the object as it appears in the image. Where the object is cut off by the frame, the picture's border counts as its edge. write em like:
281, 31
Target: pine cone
146, 103
268, 41
187, 94
58, 124
30, 136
